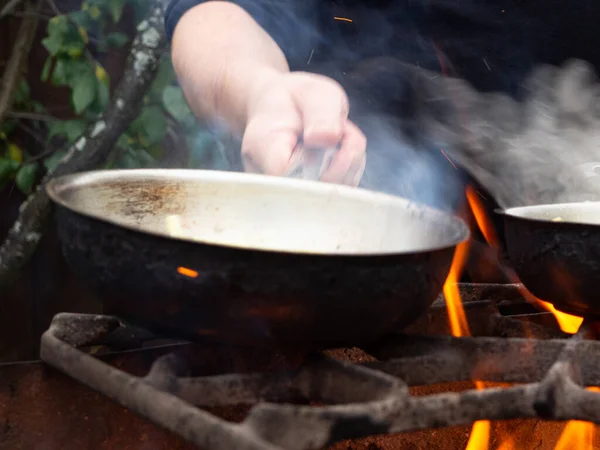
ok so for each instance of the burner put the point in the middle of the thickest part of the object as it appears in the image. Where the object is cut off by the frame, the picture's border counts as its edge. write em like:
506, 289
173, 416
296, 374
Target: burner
326, 399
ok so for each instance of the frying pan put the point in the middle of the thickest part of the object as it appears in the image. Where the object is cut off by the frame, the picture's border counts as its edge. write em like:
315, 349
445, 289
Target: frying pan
255, 259
555, 251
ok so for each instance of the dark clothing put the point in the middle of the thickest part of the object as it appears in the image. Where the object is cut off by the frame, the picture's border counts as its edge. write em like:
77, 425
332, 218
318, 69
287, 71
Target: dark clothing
493, 43
317, 35
372, 46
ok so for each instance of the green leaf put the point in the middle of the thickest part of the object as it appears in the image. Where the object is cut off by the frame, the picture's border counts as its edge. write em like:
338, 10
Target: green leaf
155, 151
128, 161
8, 167
117, 39
153, 124
38, 107
46, 69
123, 140
53, 160
14, 152
81, 18
57, 28
76, 68
73, 129
175, 103
58, 25
84, 91
22, 93
116, 9
103, 94
53, 44
164, 76
60, 74
8, 126
95, 12
56, 128
201, 145
101, 74
140, 10
26, 177
74, 48
69, 129
145, 159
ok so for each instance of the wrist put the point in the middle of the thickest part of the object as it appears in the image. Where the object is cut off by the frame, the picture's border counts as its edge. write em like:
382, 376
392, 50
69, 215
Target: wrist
262, 79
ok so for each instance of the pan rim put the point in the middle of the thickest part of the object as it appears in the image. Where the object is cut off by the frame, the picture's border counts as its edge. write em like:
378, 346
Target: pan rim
521, 212
54, 187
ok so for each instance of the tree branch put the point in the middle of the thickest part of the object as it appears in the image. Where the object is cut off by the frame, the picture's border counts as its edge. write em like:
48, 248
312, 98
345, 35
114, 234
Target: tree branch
9, 7
30, 116
94, 146
16, 63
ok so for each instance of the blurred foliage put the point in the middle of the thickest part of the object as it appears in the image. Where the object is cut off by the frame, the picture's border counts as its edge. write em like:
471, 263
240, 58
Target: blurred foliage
77, 42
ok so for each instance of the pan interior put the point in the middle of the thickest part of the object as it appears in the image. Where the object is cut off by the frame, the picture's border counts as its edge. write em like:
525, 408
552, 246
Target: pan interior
581, 212
257, 212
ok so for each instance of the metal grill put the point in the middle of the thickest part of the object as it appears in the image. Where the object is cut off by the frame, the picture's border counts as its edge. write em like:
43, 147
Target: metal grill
326, 399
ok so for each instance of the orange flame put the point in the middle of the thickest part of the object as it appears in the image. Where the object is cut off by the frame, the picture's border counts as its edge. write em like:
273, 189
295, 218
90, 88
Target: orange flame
187, 272
577, 435
480, 436
484, 224
343, 19
567, 322
480, 433
456, 312
507, 444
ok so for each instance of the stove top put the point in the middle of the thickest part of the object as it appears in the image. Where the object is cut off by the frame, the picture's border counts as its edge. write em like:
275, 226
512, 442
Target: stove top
296, 401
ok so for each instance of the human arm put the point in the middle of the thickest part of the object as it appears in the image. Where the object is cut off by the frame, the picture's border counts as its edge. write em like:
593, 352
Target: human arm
234, 71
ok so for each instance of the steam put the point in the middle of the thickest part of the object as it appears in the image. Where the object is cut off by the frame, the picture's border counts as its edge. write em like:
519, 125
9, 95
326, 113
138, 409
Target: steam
525, 151
530, 152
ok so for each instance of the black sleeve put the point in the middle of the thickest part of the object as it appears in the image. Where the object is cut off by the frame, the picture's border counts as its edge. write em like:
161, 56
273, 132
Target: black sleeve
291, 23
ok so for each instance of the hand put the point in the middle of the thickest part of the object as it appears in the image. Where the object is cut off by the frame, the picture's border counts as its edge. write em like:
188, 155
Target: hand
290, 106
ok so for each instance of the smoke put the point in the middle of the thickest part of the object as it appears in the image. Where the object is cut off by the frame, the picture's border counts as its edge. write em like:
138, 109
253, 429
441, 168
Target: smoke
393, 103
529, 152
519, 126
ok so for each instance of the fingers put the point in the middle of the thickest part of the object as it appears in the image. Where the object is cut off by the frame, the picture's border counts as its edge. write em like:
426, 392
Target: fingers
268, 150
312, 108
324, 110
348, 164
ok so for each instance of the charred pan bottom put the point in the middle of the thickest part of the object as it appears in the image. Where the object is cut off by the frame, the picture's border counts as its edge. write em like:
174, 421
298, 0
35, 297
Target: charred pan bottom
243, 296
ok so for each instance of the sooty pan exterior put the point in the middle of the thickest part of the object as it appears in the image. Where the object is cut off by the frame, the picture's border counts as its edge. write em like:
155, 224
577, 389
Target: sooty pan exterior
254, 296
558, 261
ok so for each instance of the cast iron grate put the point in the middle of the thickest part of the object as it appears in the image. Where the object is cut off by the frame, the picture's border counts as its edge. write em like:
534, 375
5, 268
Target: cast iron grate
548, 373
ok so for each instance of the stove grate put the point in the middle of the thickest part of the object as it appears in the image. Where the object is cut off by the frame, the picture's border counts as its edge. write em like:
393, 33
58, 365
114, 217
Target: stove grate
547, 377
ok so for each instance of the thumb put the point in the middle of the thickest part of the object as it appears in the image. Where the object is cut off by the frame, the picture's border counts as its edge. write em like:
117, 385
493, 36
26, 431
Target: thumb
268, 153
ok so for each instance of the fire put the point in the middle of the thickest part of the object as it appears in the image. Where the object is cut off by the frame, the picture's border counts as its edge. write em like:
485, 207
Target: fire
576, 435
508, 444
343, 19
187, 272
567, 322
484, 224
480, 436
480, 433
456, 312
